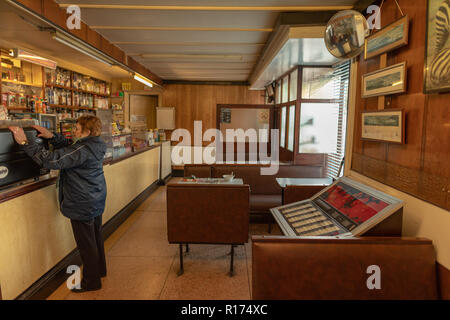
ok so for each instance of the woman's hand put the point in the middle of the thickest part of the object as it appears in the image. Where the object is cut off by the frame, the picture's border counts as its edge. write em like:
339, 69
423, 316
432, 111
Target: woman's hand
43, 133
19, 135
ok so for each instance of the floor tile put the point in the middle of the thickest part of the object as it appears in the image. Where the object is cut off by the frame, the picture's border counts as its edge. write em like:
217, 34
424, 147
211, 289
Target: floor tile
130, 278
143, 265
206, 275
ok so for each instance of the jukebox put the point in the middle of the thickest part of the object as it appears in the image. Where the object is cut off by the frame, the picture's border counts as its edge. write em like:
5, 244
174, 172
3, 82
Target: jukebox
15, 164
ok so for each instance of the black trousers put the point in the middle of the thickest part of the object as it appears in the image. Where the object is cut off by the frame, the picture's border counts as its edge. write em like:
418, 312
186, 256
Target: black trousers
88, 236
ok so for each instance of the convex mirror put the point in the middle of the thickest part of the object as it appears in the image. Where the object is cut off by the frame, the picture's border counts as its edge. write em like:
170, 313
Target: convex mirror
345, 34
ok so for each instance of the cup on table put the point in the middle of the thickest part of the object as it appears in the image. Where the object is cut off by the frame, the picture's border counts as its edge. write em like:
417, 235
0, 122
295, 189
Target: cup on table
228, 177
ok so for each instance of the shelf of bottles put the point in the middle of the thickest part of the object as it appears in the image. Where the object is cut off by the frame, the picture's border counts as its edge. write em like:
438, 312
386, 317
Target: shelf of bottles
71, 90
21, 85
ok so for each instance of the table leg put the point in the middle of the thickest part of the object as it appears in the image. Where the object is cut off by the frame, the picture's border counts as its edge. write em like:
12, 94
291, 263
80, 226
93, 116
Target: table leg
181, 271
231, 262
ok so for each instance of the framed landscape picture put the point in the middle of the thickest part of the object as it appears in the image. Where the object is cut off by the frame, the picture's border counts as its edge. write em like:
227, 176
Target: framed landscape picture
389, 38
437, 53
385, 81
384, 125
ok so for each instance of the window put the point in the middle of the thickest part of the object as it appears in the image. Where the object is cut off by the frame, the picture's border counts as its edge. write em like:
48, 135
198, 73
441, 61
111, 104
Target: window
317, 83
285, 89
318, 127
278, 94
322, 125
293, 85
291, 128
283, 127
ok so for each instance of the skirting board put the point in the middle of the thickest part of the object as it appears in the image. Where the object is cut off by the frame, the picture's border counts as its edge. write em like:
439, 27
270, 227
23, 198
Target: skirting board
162, 182
51, 281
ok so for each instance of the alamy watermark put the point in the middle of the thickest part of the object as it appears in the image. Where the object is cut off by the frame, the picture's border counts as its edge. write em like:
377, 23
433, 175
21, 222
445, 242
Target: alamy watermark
374, 21
186, 153
374, 281
73, 22
74, 281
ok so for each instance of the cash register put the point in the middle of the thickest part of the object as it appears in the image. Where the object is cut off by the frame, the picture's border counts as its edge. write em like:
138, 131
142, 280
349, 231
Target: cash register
15, 164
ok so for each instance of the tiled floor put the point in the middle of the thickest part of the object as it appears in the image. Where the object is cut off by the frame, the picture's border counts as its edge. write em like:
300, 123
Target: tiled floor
143, 265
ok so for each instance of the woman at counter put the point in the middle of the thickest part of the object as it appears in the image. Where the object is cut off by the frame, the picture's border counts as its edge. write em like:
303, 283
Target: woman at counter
82, 188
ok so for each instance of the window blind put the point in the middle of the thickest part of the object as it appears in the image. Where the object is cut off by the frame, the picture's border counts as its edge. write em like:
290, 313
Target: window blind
341, 77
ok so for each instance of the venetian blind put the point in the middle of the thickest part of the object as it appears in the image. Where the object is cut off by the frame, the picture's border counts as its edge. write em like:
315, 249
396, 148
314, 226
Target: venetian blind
341, 76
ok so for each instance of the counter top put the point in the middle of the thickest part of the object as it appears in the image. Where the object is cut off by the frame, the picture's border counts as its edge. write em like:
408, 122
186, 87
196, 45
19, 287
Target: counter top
47, 180
131, 154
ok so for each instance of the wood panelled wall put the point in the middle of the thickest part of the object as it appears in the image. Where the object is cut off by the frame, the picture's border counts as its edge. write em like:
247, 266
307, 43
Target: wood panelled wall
421, 166
199, 102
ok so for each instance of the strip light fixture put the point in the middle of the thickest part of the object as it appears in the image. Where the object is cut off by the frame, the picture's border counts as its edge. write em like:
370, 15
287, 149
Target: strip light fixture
83, 48
143, 80
32, 58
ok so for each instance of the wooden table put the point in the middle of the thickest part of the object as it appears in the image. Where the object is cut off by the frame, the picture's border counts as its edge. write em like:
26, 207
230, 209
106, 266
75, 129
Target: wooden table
211, 181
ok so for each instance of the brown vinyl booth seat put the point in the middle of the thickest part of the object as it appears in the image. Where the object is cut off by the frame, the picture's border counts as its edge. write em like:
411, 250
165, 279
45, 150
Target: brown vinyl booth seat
294, 268
207, 213
265, 193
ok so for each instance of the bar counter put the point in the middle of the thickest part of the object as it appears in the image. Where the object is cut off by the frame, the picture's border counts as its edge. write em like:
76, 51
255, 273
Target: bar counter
46, 180
35, 236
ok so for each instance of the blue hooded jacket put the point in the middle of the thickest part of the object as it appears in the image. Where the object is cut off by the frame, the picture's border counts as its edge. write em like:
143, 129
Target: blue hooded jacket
82, 185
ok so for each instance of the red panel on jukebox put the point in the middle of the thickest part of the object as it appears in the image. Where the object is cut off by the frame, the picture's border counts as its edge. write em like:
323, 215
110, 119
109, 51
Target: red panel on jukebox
355, 204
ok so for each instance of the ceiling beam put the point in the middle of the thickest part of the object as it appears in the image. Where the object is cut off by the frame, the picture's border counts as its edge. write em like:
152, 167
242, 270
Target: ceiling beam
207, 8
305, 18
178, 28
362, 5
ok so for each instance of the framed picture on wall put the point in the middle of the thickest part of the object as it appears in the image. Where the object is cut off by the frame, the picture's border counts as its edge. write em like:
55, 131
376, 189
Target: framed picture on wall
384, 125
385, 81
389, 38
437, 52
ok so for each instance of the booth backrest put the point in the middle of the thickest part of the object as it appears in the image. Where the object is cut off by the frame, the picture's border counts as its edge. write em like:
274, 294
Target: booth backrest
292, 268
207, 213
198, 170
251, 174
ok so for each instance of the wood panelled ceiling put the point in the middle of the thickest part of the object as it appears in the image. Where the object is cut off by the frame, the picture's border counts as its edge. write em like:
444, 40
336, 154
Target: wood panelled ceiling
197, 40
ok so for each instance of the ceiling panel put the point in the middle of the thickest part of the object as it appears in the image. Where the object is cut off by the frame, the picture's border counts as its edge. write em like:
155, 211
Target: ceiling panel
97, 17
159, 39
216, 2
199, 65
211, 77
188, 36
196, 58
219, 49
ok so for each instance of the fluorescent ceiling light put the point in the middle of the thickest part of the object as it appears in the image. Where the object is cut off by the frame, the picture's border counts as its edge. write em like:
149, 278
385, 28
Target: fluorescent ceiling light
83, 48
32, 58
143, 80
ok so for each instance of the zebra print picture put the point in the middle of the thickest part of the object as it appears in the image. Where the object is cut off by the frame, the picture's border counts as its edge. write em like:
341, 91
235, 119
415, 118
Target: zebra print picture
437, 52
